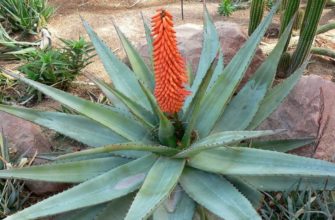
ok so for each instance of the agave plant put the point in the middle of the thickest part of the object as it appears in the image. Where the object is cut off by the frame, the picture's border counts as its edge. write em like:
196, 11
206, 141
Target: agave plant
165, 147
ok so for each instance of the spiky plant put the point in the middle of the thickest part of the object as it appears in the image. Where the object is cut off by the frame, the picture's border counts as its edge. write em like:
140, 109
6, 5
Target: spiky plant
12, 196
256, 14
226, 8
146, 163
308, 31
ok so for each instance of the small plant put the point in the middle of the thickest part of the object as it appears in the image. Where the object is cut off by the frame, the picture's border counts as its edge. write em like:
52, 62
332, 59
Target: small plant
58, 67
26, 16
12, 195
8, 90
162, 150
226, 8
11, 48
270, 4
48, 67
296, 204
78, 53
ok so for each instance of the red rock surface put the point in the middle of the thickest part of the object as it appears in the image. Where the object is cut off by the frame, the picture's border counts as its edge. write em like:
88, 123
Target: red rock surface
27, 138
302, 115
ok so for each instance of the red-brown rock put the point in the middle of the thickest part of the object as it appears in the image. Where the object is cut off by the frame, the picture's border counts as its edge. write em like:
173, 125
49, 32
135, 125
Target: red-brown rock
27, 138
302, 115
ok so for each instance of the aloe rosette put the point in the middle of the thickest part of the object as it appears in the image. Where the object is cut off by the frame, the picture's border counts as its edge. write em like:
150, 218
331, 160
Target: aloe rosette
143, 162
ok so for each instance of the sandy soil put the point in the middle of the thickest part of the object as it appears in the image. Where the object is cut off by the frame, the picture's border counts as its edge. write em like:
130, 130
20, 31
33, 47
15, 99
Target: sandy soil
100, 13
67, 24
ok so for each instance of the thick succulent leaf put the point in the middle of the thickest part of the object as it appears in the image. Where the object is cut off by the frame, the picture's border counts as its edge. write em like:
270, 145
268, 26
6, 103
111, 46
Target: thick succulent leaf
138, 65
214, 102
216, 194
148, 37
193, 111
281, 145
104, 87
122, 154
144, 116
166, 128
218, 70
159, 183
122, 77
76, 127
289, 183
251, 161
4, 150
113, 119
243, 107
106, 187
69, 172
159, 149
275, 96
116, 209
183, 207
249, 191
190, 73
87, 213
211, 45
223, 139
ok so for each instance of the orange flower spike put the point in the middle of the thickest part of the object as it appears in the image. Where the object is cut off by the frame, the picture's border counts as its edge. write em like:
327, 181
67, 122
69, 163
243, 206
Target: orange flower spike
170, 71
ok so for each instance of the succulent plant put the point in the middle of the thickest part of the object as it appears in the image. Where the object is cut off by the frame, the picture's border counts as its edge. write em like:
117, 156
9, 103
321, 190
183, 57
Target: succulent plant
308, 32
143, 162
283, 65
256, 14
298, 20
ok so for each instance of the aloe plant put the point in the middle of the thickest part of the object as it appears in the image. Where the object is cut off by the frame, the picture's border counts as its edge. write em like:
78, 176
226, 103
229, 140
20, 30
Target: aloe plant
26, 16
143, 162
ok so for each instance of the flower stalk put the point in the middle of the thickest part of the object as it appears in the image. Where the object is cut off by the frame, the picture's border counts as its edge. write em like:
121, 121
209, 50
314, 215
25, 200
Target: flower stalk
170, 71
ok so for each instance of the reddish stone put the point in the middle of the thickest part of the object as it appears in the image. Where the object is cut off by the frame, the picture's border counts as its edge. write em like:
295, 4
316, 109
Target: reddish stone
27, 138
302, 115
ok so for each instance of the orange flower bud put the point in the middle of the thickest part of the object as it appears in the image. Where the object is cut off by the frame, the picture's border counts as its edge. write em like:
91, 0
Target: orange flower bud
170, 71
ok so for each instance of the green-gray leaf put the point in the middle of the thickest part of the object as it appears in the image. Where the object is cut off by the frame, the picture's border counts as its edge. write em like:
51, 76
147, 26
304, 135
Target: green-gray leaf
113, 119
223, 139
159, 183
111, 185
87, 213
122, 77
144, 116
69, 172
116, 209
183, 208
193, 110
284, 145
139, 67
289, 183
166, 129
76, 127
217, 195
121, 147
249, 191
218, 96
251, 161
148, 37
211, 44
275, 96
241, 110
